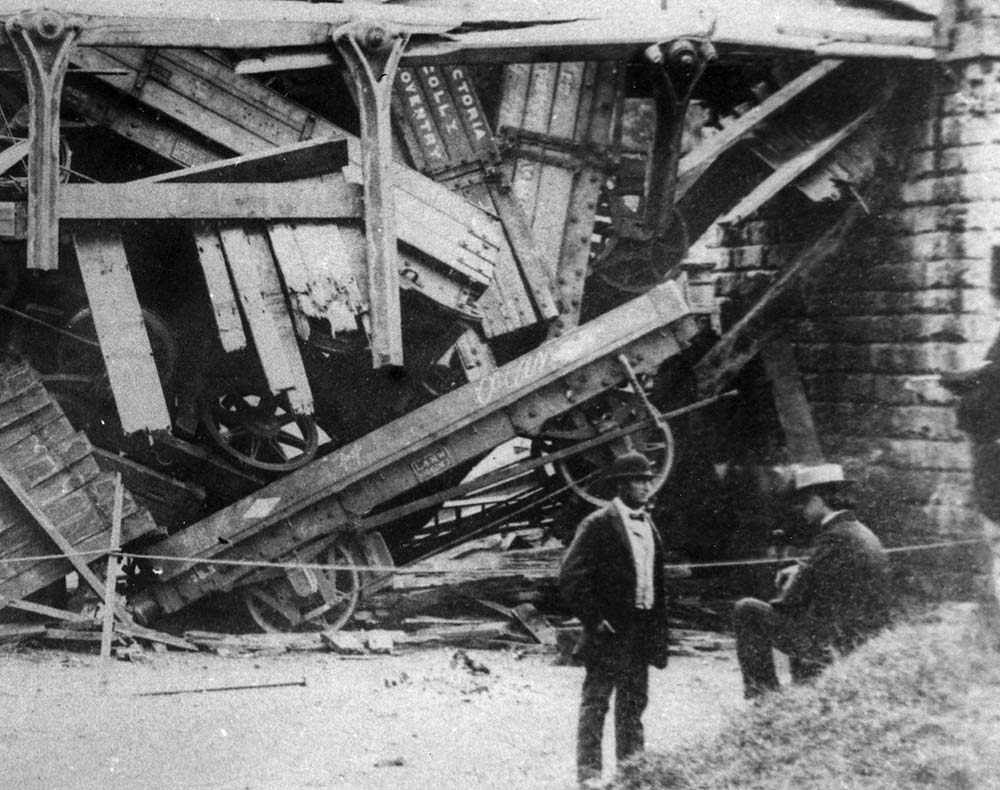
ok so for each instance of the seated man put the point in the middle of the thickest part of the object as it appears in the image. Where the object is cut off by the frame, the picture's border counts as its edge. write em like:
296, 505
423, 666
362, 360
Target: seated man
829, 603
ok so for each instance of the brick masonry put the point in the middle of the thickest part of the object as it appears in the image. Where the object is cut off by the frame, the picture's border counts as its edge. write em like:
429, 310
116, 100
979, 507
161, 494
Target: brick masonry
915, 294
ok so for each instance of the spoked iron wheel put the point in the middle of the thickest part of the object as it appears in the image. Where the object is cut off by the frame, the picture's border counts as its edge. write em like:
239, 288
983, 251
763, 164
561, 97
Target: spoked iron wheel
258, 429
84, 362
308, 598
583, 472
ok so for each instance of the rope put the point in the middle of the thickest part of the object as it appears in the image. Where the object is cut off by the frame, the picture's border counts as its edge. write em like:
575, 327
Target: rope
79, 338
402, 569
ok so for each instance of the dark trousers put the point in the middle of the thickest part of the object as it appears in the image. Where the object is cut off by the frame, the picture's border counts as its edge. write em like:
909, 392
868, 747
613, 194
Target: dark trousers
760, 629
623, 670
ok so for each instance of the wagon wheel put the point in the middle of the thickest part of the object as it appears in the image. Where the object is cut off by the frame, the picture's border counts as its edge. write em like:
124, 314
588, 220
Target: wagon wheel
583, 472
308, 597
258, 429
77, 359
635, 264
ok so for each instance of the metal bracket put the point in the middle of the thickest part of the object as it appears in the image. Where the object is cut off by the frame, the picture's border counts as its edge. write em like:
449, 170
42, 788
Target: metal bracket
372, 55
654, 240
43, 41
554, 150
680, 65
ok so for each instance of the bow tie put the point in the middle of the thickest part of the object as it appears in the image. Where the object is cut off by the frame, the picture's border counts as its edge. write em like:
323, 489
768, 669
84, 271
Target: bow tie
637, 516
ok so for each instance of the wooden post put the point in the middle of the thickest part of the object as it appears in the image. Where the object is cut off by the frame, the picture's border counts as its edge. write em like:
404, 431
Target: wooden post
107, 625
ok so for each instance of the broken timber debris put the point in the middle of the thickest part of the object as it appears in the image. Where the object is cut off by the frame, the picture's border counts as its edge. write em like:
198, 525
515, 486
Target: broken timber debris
295, 257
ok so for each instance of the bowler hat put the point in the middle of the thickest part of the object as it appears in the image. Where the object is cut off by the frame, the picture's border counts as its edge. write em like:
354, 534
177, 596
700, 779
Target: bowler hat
806, 477
630, 465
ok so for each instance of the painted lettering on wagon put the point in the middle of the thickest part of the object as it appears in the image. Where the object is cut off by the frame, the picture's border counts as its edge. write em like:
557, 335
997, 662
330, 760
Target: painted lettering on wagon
510, 377
420, 117
472, 113
440, 99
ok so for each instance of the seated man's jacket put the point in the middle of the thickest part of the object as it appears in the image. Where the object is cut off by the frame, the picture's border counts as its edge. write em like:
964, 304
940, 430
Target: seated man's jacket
843, 589
597, 582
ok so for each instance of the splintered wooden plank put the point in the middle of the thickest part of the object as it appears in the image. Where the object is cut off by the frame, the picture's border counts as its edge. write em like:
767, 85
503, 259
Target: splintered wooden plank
251, 265
220, 290
319, 274
128, 356
203, 93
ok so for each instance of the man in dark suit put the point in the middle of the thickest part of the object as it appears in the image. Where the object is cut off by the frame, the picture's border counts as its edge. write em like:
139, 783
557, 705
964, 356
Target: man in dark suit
827, 604
612, 580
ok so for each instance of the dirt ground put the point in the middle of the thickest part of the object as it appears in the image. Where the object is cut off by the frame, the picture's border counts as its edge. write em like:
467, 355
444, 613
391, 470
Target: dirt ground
410, 721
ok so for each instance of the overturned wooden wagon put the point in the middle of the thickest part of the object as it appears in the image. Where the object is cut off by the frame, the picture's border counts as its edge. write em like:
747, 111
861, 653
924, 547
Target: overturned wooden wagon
294, 268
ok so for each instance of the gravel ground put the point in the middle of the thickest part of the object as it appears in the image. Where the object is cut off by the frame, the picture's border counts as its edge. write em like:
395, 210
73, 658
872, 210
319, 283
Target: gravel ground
415, 720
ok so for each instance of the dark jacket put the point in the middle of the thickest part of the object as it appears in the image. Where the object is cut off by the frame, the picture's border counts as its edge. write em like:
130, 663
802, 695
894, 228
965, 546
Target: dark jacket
597, 582
843, 588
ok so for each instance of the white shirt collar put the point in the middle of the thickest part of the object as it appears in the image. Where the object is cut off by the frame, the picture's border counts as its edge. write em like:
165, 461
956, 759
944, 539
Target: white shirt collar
626, 512
830, 517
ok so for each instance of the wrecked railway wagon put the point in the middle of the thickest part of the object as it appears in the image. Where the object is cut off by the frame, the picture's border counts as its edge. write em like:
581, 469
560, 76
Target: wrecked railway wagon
292, 269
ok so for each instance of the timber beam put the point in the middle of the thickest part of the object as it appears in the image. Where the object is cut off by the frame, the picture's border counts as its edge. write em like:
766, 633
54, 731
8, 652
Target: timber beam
745, 339
335, 491
329, 197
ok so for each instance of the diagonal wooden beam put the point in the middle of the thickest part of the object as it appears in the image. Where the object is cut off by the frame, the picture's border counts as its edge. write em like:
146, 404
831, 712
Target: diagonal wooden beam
695, 163
43, 521
793, 168
791, 402
744, 340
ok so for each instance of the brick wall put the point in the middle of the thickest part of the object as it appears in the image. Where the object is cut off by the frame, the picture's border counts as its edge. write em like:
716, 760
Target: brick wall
914, 294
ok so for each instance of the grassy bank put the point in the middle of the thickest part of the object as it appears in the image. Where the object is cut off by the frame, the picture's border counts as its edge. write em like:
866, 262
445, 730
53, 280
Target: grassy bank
918, 707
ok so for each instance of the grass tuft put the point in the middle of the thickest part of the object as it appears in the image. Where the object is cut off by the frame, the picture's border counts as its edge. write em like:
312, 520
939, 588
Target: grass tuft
917, 707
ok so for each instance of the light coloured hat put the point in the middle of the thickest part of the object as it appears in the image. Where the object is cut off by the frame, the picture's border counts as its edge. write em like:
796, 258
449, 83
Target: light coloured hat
818, 475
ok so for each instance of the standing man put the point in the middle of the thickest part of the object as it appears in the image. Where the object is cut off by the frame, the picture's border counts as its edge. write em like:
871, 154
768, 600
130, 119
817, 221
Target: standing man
830, 602
612, 580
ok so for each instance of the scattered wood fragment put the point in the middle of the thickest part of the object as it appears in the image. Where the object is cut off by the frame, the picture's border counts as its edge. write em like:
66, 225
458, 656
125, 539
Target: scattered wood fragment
254, 645
343, 643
